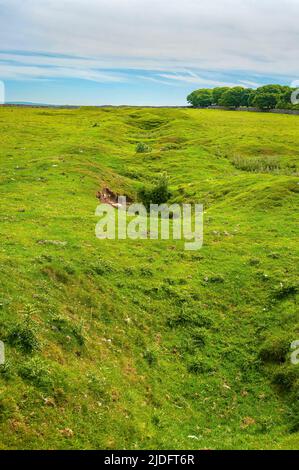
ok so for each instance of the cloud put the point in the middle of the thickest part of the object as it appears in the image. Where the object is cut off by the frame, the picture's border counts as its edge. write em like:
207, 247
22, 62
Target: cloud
254, 36
192, 77
28, 66
19, 67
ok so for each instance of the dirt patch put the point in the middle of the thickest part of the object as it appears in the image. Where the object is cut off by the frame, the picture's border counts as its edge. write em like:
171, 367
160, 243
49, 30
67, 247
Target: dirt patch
106, 196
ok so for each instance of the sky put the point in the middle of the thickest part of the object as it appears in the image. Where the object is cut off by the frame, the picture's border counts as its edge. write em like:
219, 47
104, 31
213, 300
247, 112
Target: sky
143, 52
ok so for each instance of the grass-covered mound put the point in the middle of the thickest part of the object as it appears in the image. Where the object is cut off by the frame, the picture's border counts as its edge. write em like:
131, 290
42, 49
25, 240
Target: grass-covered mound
142, 344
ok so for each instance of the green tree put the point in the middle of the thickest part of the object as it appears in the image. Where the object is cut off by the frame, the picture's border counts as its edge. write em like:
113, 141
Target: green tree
232, 98
273, 96
264, 97
265, 100
247, 97
273, 89
218, 93
284, 101
202, 97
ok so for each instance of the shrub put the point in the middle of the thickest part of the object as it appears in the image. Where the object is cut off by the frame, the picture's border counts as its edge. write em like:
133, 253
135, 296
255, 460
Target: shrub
143, 148
158, 194
286, 291
286, 378
6, 370
23, 336
275, 350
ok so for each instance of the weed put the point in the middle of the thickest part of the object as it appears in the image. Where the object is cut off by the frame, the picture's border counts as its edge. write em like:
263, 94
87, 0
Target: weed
22, 335
159, 193
143, 148
266, 164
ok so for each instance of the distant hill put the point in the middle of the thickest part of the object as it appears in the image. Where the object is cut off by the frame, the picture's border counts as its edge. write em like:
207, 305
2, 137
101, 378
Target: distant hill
37, 105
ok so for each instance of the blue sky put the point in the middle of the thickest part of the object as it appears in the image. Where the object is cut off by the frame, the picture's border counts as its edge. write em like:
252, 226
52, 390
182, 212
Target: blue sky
150, 52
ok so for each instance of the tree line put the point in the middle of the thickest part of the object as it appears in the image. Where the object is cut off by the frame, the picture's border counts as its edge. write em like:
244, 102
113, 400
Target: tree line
264, 97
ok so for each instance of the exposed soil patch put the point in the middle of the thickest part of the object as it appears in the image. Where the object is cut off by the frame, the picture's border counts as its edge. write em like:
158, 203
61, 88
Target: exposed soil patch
106, 196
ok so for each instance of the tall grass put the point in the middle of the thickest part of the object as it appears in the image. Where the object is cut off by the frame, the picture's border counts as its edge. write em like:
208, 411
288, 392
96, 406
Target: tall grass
265, 164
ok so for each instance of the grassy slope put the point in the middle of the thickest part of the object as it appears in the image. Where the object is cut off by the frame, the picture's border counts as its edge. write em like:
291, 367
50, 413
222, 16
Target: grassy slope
141, 344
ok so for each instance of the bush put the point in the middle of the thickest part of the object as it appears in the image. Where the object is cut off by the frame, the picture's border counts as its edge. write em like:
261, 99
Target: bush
275, 350
6, 370
158, 194
285, 291
23, 336
143, 148
286, 378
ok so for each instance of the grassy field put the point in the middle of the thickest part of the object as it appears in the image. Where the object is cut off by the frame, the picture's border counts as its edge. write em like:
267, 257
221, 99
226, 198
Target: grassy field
142, 345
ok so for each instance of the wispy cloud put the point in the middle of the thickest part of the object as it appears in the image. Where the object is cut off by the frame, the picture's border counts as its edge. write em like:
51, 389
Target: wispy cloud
192, 77
242, 35
25, 67
22, 72
147, 51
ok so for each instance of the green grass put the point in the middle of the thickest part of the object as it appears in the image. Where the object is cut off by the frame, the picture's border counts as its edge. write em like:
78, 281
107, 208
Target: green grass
141, 344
